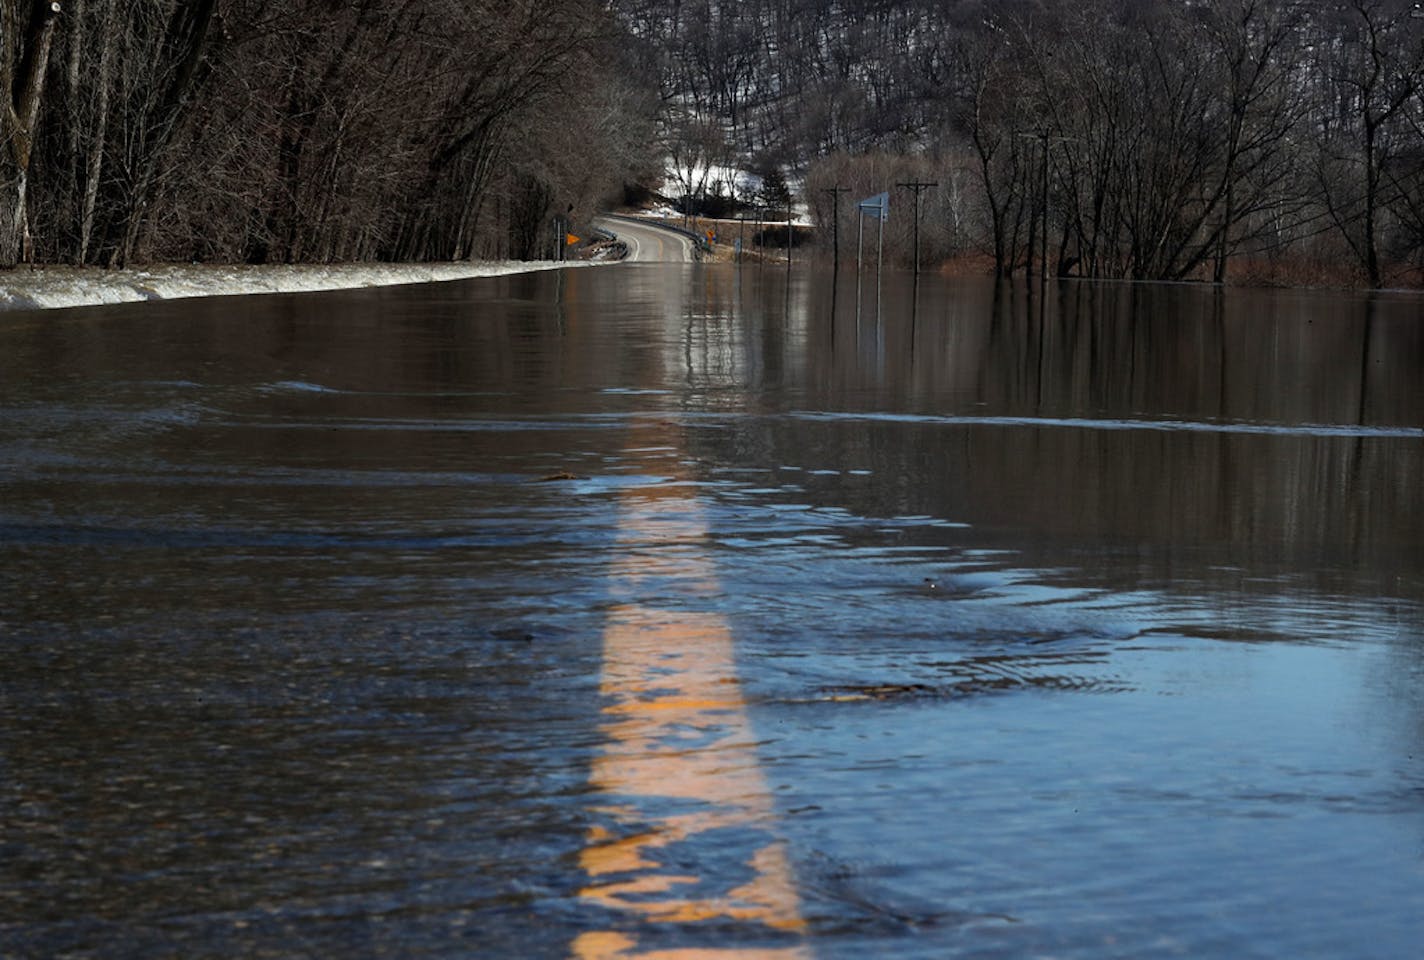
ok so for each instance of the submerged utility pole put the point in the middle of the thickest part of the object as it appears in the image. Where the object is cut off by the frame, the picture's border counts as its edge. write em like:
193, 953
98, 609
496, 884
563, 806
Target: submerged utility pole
917, 186
835, 193
1043, 260
788, 231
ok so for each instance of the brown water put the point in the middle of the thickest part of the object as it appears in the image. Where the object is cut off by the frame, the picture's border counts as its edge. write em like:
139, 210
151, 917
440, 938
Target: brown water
657, 609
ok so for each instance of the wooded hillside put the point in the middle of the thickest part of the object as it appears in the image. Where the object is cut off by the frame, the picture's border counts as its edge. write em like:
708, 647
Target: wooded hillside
1163, 138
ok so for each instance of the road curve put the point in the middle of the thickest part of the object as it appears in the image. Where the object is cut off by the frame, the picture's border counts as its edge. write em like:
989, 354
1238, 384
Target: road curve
649, 242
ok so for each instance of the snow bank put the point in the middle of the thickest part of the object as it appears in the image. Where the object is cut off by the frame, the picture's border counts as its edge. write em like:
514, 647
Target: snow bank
31, 288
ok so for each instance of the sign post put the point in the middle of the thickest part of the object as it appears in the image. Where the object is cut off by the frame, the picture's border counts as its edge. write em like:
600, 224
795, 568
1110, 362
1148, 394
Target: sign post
879, 207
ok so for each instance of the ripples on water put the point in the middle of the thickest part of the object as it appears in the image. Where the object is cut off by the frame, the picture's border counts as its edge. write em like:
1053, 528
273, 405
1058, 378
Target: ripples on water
1092, 630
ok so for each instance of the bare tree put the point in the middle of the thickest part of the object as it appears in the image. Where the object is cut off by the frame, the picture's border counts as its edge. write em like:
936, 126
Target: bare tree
1376, 70
26, 35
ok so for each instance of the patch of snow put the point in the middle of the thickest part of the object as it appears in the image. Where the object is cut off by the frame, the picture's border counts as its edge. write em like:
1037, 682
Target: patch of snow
26, 288
741, 183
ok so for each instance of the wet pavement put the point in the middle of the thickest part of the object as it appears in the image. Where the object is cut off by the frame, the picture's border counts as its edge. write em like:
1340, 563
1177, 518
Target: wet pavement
687, 611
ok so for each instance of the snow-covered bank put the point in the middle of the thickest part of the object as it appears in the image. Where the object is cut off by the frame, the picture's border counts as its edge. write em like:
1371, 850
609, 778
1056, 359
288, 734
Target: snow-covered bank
32, 288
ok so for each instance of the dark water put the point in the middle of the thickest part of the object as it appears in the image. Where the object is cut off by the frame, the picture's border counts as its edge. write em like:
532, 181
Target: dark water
1087, 625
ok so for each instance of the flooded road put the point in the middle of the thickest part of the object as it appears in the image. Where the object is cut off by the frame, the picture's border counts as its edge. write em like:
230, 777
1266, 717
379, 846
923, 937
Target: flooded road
687, 612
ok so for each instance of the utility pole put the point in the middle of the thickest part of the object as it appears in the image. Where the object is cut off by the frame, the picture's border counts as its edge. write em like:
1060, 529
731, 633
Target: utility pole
1043, 260
788, 231
917, 186
835, 193
859, 246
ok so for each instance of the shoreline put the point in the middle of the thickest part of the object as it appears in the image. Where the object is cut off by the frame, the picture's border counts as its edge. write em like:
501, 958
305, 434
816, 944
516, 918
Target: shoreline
28, 288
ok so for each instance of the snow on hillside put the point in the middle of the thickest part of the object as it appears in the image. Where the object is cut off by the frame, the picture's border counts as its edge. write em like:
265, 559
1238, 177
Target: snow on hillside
27, 288
700, 177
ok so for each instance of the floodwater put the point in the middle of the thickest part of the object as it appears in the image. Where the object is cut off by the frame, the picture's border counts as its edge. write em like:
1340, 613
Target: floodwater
688, 612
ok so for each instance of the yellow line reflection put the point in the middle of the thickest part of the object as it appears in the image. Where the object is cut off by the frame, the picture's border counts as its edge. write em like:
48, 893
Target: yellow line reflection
680, 761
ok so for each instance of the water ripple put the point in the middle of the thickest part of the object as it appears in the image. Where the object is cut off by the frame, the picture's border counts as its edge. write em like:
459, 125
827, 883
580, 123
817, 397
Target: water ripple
1084, 423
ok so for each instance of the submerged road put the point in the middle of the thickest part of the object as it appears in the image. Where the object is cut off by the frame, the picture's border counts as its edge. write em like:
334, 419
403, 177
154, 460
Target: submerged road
649, 242
658, 612
679, 764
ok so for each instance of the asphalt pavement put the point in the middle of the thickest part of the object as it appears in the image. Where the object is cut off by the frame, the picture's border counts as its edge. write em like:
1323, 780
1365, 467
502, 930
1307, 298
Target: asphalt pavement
649, 242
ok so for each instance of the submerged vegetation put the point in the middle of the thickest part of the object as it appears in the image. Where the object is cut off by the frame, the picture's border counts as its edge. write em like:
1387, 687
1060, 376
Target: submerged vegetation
1150, 139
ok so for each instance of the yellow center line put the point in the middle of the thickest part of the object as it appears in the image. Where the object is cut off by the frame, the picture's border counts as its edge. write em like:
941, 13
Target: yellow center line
680, 761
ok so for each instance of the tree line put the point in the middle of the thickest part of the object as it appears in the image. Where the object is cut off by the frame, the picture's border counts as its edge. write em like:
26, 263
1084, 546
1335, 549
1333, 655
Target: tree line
1152, 139
1147, 139
259, 131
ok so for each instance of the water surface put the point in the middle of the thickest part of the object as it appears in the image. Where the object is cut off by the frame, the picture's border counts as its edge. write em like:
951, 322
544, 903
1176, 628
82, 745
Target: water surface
675, 608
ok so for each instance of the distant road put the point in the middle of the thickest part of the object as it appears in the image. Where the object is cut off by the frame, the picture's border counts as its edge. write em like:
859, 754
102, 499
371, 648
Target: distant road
648, 242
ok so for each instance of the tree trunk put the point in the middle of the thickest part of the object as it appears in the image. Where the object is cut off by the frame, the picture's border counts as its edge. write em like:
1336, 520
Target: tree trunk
1372, 266
23, 91
14, 219
95, 161
74, 97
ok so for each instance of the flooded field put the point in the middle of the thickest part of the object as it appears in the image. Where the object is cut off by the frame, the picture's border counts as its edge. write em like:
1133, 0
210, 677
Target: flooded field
689, 612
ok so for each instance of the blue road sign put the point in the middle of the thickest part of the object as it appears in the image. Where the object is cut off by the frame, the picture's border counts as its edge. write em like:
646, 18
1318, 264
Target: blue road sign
878, 205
